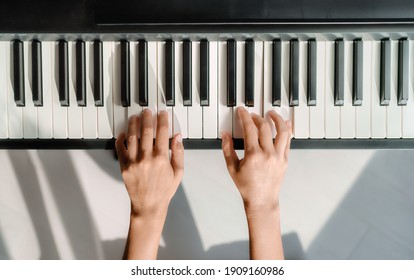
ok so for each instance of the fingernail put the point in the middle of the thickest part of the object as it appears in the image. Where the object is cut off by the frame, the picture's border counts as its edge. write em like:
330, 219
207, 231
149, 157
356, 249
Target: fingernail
179, 138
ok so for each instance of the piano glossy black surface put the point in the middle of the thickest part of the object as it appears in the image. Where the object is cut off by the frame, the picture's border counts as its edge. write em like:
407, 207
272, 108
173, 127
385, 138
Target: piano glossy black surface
199, 19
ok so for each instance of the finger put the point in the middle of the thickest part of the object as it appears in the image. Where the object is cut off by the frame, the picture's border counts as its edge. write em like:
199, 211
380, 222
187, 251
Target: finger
287, 150
265, 133
232, 160
177, 156
132, 140
147, 133
121, 151
249, 130
282, 132
161, 140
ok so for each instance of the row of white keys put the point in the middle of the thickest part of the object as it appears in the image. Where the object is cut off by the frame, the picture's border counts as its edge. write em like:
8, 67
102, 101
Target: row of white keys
134, 108
15, 113
3, 92
301, 112
348, 110
363, 112
408, 110
120, 112
210, 115
195, 112
317, 112
45, 113
332, 112
394, 115
105, 112
180, 111
162, 105
60, 113
225, 114
378, 112
30, 110
240, 88
75, 118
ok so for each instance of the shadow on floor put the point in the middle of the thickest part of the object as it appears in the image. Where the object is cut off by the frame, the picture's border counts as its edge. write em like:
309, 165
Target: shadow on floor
376, 214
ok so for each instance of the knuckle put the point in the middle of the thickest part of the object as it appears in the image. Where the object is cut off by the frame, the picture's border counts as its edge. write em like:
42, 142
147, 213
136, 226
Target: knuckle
147, 129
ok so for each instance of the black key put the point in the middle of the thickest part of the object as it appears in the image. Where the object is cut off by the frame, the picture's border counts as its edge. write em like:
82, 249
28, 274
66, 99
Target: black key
385, 88
143, 73
37, 84
339, 89
312, 63
403, 72
18, 73
169, 73
204, 73
98, 91
231, 73
125, 74
358, 74
249, 74
277, 73
63, 73
80, 73
294, 73
187, 85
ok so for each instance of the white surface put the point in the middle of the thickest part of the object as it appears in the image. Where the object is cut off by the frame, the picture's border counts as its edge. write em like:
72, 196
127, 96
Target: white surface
317, 112
332, 112
3, 92
301, 112
195, 112
90, 112
72, 204
45, 114
210, 114
363, 112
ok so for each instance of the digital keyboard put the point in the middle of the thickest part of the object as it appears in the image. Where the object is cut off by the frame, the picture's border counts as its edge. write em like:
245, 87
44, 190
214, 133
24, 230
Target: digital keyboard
71, 74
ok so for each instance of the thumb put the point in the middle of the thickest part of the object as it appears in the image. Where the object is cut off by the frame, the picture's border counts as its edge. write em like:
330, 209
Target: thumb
177, 155
232, 160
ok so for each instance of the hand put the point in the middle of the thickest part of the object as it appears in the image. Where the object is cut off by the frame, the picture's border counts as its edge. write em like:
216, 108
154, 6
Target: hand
259, 174
150, 177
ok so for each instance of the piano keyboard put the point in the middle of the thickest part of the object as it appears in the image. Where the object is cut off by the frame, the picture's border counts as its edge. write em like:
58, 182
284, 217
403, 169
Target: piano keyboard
87, 89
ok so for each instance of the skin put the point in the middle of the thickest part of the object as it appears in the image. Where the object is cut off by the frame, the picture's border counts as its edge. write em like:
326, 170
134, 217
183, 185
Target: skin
142, 164
258, 177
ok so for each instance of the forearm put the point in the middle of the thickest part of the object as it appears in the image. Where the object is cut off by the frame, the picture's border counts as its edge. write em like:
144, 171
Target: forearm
265, 234
144, 237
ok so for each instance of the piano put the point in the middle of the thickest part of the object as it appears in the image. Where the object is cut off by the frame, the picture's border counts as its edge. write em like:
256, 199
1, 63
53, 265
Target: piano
72, 72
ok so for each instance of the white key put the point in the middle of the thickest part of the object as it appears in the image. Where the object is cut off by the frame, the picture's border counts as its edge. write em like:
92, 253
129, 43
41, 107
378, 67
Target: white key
105, 112
162, 103
45, 113
179, 111
210, 114
394, 115
90, 112
240, 83
258, 79
29, 111
408, 110
363, 112
378, 112
348, 110
3, 91
301, 112
225, 114
195, 112
15, 114
120, 113
317, 113
267, 84
135, 108
60, 113
75, 112
153, 82
285, 111
332, 112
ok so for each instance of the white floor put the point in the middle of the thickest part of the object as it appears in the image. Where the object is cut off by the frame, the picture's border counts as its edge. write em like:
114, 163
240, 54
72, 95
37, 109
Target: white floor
336, 204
